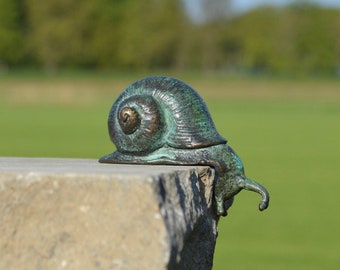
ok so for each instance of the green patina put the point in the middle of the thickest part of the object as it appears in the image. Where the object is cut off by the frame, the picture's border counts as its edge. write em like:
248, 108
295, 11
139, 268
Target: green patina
175, 127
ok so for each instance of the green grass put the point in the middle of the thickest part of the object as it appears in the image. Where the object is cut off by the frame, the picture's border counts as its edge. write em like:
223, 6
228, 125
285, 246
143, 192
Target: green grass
286, 132
293, 149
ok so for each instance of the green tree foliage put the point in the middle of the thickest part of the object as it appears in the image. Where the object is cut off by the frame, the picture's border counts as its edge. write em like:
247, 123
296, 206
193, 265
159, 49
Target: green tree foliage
106, 30
104, 33
317, 44
299, 39
60, 30
11, 33
151, 34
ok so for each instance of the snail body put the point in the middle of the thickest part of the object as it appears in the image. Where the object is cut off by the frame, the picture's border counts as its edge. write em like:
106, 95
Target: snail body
162, 120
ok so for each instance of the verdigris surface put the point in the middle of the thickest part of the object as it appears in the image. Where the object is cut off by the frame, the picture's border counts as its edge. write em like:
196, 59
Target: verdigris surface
162, 120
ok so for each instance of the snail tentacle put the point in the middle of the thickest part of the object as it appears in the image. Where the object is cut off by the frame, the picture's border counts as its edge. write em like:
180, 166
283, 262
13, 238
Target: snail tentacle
252, 185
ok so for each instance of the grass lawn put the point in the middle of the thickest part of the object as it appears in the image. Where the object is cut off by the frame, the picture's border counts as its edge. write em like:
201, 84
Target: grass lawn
286, 132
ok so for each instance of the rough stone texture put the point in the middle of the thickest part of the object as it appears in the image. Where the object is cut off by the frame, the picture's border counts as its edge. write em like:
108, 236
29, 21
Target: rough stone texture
79, 214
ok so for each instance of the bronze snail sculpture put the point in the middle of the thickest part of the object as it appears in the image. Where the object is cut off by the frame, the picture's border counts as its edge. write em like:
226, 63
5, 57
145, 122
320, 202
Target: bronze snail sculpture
162, 120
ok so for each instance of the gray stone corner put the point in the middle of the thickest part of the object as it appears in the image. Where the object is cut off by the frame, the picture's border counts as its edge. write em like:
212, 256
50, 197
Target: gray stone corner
79, 214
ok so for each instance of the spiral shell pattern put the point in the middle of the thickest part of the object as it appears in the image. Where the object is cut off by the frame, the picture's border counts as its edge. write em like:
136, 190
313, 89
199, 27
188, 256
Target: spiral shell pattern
155, 112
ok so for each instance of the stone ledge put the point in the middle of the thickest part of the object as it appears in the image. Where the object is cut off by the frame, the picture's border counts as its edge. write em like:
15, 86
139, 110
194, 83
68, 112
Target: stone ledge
79, 214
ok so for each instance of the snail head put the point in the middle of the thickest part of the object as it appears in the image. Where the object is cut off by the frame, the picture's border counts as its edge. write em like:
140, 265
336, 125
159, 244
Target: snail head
232, 180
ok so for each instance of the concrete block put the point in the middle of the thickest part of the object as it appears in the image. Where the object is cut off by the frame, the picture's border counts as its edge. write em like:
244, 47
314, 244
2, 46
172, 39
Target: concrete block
79, 214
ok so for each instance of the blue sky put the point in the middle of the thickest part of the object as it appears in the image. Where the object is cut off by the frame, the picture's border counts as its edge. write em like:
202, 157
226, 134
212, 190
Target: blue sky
244, 5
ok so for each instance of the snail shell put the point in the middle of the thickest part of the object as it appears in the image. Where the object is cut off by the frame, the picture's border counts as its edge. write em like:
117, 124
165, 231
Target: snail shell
156, 112
162, 120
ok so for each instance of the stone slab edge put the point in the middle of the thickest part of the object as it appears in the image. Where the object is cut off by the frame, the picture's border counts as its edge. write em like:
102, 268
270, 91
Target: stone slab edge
79, 214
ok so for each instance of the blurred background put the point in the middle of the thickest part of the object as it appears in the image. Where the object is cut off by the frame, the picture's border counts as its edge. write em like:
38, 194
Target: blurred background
269, 72
211, 35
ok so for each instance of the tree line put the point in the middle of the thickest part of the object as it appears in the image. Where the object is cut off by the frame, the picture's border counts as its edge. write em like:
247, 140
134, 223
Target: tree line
158, 34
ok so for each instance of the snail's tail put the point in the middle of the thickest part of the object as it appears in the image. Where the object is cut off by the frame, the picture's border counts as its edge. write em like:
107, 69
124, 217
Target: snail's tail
252, 185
